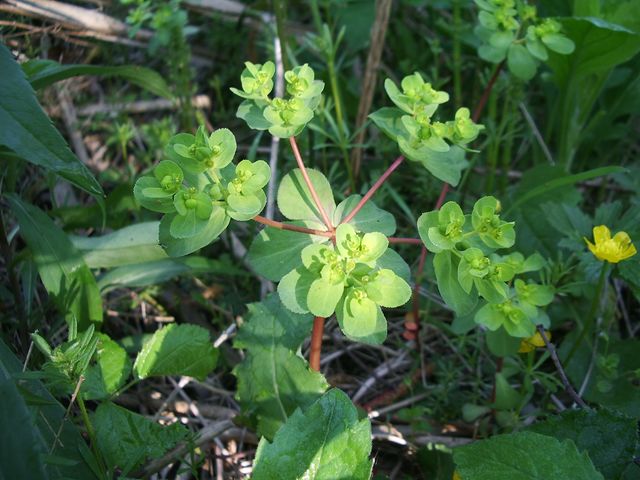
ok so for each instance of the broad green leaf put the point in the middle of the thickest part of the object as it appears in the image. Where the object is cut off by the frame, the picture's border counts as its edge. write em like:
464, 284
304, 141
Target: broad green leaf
21, 452
159, 271
446, 269
388, 289
178, 247
361, 321
507, 397
50, 416
294, 289
560, 182
388, 119
323, 296
177, 350
295, 201
110, 372
42, 73
127, 439
133, 244
520, 62
502, 344
62, 269
599, 47
370, 218
559, 43
325, 442
609, 437
25, 129
275, 252
273, 379
392, 260
523, 456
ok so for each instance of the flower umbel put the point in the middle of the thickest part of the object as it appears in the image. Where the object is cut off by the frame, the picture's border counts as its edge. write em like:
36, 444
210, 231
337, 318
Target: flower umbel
612, 250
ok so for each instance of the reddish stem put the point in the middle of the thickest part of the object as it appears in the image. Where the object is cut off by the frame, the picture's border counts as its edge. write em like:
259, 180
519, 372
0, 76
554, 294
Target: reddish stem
412, 241
316, 343
373, 189
293, 228
312, 190
487, 91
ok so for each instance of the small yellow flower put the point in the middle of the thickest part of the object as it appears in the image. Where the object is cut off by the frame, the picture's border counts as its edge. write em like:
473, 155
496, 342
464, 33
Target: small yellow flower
533, 342
610, 249
456, 476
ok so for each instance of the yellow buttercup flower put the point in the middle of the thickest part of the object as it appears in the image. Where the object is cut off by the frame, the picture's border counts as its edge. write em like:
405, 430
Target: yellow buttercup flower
610, 249
533, 342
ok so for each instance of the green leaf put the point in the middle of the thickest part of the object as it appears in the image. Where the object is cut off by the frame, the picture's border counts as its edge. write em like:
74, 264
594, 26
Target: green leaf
110, 372
446, 166
177, 350
609, 437
127, 439
392, 260
42, 73
62, 269
502, 344
178, 247
273, 379
323, 296
520, 62
25, 129
156, 272
388, 289
523, 456
294, 290
446, 269
389, 120
561, 182
600, 46
50, 417
370, 218
559, 43
326, 441
361, 320
507, 397
295, 201
252, 114
21, 452
275, 252
130, 245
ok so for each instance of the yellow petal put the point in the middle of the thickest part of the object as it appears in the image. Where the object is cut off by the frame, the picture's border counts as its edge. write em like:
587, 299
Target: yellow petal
456, 476
525, 347
601, 234
622, 239
630, 251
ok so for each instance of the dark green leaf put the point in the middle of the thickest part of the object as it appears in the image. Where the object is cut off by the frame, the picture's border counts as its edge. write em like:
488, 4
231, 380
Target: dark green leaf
177, 350
273, 380
127, 439
62, 269
42, 73
133, 244
609, 437
523, 456
325, 442
25, 129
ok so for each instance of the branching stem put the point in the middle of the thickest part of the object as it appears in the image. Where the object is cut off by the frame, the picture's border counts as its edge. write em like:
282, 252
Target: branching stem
411, 241
292, 228
563, 376
312, 190
374, 188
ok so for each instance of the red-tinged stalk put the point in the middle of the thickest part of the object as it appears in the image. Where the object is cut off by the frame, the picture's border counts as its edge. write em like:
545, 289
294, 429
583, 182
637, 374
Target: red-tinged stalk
312, 190
292, 228
316, 343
